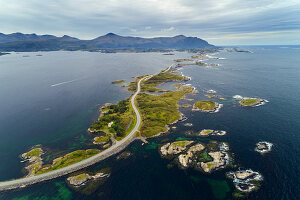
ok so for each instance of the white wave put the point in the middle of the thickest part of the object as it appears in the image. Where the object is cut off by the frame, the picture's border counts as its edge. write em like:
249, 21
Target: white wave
65, 82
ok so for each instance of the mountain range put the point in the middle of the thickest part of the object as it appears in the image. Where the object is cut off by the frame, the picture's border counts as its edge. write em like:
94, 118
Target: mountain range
33, 42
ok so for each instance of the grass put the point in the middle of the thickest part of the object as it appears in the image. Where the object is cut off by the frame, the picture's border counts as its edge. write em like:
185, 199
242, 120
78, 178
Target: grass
186, 105
102, 139
118, 81
34, 153
181, 143
205, 105
182, 60
159, 110
200, 63
68, 159
206, 132
249, 102
81, 177
122, 116
204, 156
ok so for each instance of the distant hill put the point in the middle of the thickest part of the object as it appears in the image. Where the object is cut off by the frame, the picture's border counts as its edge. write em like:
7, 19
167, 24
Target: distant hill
33, 42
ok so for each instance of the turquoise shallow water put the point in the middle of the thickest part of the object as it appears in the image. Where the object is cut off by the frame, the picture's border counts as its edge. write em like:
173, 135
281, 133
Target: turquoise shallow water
57, 117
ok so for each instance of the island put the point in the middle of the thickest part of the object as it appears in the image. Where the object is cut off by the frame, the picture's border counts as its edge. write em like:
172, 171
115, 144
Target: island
245, 181
263, 147
34, 159
81, 179
251, 102
208, 132
118, 81
2, 53
204, 157
206, 106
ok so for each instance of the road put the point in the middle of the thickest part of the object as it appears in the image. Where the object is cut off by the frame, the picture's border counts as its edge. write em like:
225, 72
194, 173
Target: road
120, 145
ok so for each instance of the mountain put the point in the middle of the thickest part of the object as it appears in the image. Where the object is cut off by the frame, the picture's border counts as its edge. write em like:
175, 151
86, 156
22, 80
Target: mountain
33, 42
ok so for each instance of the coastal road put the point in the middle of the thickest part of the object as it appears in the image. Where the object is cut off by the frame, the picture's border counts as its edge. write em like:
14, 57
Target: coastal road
120, 145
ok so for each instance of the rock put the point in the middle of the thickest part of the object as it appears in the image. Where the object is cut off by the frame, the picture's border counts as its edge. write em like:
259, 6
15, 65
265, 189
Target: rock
245, 180
263, 147
207, 132
79, 179
174, 148
219, 160
83, 178
186, 159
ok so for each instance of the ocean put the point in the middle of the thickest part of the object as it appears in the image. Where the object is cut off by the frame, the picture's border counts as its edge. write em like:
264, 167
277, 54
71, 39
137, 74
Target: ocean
52, 99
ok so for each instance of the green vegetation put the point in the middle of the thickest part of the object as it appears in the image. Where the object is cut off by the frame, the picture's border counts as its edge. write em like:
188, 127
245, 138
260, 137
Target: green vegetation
181, 143
68, 159
250, 102
101, 139
118, 81
201, 63
182, 60
210, 95
121, 114
186, 105
159, 111
36, 152
204, 156
158, 79
205, 105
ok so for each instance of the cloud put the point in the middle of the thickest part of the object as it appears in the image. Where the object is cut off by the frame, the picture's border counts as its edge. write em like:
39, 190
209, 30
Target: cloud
91, 18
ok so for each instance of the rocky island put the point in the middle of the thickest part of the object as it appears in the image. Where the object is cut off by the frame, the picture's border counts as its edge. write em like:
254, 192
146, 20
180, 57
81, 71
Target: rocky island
204, 157
263, 147
245, 181
251, 102
206, 106
118, 81
208, 132
33, 157
83, 178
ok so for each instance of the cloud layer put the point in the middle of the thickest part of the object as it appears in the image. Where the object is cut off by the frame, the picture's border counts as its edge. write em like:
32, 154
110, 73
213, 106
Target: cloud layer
219, 21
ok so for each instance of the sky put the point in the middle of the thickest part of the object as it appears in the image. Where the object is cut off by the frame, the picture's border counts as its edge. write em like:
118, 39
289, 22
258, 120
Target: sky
220, 22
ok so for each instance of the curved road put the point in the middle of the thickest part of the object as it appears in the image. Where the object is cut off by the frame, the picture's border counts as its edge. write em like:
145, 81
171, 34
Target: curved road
120, 145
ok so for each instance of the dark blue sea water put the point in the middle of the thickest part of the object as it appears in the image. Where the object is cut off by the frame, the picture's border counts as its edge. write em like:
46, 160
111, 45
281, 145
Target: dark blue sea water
52, 99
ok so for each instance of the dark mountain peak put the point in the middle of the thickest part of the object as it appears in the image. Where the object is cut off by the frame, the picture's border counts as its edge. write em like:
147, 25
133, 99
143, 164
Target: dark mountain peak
111, 34
180, 36
33, 42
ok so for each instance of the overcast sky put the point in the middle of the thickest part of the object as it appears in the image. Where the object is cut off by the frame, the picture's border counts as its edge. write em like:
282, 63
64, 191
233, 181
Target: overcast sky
220, 22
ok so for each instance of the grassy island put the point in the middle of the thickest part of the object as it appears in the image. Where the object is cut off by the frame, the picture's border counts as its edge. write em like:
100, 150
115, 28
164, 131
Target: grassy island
182, 60
159, 111
205, 106
68, 159
118, 81
117, 121
250, 102
36, 152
